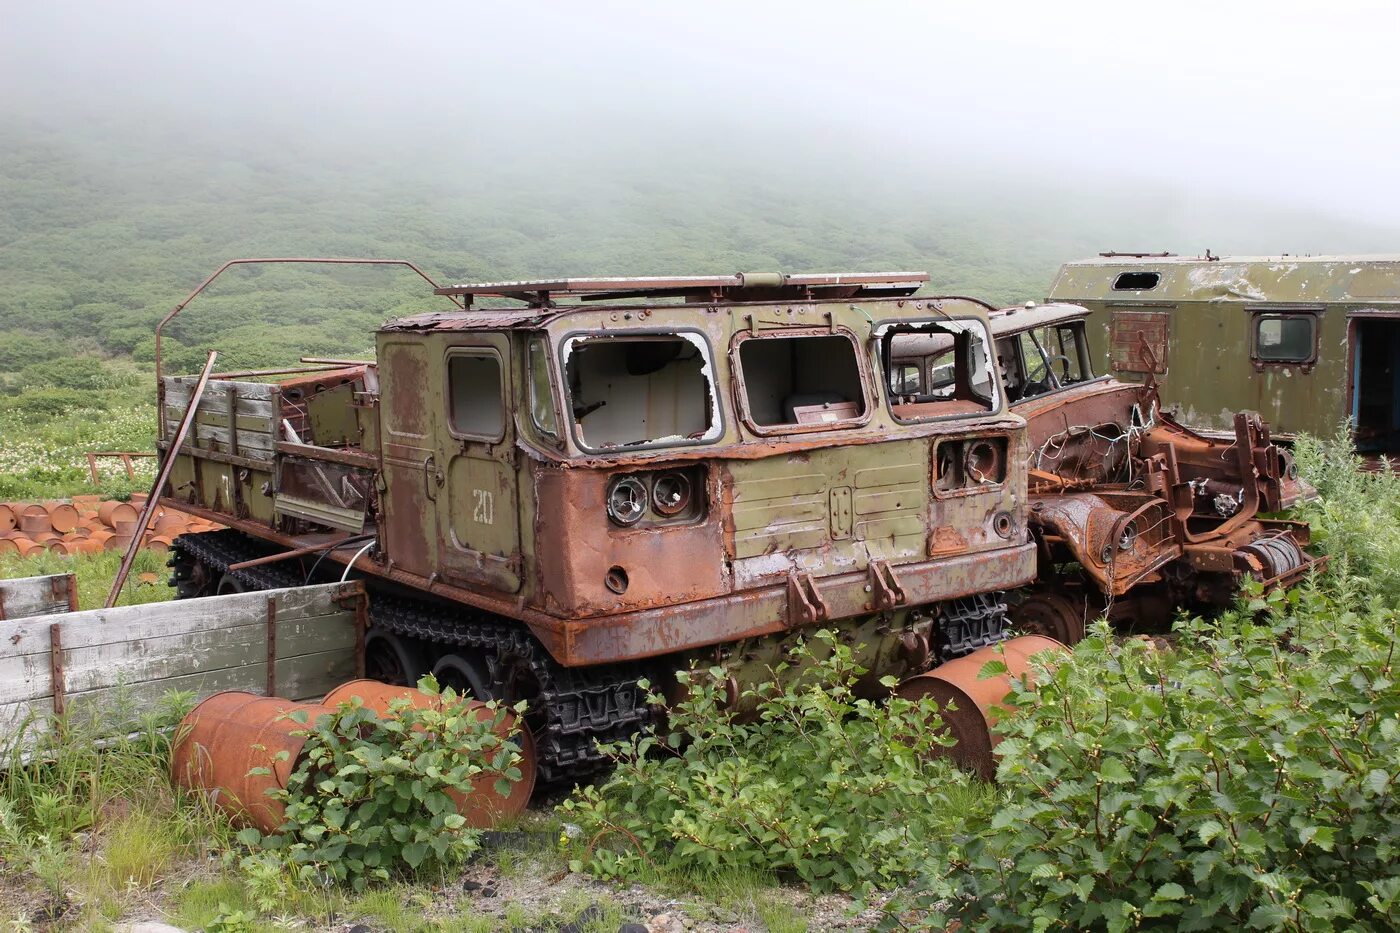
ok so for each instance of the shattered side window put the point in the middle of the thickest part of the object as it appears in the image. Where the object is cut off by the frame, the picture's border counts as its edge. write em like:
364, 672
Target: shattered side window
644, 390
541, 397
954, 358
801, 379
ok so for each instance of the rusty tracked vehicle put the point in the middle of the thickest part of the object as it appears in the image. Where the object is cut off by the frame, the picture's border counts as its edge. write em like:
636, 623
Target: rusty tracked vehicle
1134, 514
585, 482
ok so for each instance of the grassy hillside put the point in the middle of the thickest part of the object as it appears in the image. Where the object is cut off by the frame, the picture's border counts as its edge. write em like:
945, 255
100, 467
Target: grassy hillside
104, 226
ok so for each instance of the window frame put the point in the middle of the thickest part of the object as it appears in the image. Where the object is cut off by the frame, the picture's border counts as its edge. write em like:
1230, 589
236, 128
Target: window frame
1258, 316
554, 438
477, 350
1000, 403
1156, 281
741, 392
575, 432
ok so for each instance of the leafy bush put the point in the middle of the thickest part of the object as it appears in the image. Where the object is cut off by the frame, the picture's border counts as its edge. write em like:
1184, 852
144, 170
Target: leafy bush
84, 373
44, 404
835, 790
1356, 518
371, 797
1245, 780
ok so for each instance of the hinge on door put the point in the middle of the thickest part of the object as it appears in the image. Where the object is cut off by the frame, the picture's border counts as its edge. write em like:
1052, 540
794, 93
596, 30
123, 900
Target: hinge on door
885, 591
805, 605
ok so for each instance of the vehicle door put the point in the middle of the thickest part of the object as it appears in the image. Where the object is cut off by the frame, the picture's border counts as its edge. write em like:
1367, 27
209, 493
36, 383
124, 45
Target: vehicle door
408, 526
479, 529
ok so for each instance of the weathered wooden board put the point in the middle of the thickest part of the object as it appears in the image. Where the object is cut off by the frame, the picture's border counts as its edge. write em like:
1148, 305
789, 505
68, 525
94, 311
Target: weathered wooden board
37, 596
133, 656
255, 415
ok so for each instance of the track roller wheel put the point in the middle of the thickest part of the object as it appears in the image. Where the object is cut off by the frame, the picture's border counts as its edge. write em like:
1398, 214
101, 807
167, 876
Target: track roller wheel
392, 659
228, 585
1054, 613
467, 676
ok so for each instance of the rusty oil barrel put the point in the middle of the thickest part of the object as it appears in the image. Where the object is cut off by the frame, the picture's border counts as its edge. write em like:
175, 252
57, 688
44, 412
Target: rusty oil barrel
978, 702
228, 735
483, 807
63, 517
112, 512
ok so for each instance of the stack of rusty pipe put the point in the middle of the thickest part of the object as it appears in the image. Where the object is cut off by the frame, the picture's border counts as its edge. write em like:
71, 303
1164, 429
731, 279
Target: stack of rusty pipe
969, 705
88, 525
232, 733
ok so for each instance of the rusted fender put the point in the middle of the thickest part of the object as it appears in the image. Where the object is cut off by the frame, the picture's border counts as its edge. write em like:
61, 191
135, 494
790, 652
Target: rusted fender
977, 703
483, 807
228, 735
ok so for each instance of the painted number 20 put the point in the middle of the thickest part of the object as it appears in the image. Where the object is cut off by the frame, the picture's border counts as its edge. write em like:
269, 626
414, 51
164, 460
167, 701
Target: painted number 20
485, 511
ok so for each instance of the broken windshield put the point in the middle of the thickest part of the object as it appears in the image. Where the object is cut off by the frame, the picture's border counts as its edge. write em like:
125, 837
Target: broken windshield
1043, 360
936, 369
653, 390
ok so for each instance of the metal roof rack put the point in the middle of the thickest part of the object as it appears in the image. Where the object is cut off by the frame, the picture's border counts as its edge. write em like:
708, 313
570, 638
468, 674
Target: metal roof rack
743, 286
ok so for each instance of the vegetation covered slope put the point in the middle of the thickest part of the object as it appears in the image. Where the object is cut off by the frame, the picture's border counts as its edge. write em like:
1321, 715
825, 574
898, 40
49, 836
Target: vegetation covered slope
106, 224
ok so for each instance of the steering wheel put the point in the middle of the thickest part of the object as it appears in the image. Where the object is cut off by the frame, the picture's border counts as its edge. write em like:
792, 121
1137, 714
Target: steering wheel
1064, 362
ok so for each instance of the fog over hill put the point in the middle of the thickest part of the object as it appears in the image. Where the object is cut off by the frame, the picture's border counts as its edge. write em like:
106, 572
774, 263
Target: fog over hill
140, 148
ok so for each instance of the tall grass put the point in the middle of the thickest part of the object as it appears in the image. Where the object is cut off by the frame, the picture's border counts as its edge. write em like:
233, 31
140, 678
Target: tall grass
94, 573
1356, 519
88, 815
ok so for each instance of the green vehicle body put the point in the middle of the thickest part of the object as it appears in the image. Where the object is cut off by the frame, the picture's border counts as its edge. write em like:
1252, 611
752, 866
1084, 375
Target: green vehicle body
1308, 342
609, 480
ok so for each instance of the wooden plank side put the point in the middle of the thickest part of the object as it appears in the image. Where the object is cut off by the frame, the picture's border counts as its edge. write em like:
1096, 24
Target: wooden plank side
149, 659
131, 657
314, 675
204, 435
216, 411
35, 717
146, 696
153, 620
162, 657
181, 386
34, 596
315, 634
25, 677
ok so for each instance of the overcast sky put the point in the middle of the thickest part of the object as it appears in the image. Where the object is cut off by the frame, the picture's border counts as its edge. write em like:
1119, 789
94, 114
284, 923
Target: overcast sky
1293, 102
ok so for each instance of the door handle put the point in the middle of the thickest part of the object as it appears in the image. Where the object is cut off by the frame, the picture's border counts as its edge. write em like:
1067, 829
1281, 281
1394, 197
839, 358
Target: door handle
432, 477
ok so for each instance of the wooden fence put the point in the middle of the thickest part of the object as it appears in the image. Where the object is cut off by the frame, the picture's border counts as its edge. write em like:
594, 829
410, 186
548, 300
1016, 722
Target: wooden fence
38, 596
296, 643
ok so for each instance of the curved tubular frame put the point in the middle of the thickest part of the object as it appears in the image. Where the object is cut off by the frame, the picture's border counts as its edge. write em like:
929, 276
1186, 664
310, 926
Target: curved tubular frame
160, 371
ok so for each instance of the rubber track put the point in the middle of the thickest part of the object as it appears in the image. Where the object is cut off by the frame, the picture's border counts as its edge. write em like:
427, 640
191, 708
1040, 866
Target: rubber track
579, 707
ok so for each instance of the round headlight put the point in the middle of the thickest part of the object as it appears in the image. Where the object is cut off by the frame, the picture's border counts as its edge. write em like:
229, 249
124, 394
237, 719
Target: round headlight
1129, 537
981, 462
670, 494
627, 500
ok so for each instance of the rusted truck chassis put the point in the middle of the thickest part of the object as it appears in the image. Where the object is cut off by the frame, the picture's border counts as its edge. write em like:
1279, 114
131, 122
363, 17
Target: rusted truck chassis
587, 482
1133, 513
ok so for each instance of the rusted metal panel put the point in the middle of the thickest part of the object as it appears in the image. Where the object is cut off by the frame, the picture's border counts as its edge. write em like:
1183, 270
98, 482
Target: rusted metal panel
765, 610
1139, 341
578, 548
1134, 498
1216, 308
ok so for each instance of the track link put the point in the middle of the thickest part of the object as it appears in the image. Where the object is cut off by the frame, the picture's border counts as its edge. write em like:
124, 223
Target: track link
574, 708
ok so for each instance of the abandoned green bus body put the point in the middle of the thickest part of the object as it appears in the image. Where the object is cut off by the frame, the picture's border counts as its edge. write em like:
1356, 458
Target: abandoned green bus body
1306, 341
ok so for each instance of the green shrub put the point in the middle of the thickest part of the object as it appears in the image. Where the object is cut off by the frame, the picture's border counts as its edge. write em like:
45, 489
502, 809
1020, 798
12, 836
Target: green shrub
1356, 518
83, 373
835, 790
1246, 780
44, 404
370, 797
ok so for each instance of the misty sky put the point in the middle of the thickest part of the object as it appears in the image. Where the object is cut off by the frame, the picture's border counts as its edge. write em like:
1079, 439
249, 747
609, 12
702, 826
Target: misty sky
1291, 102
